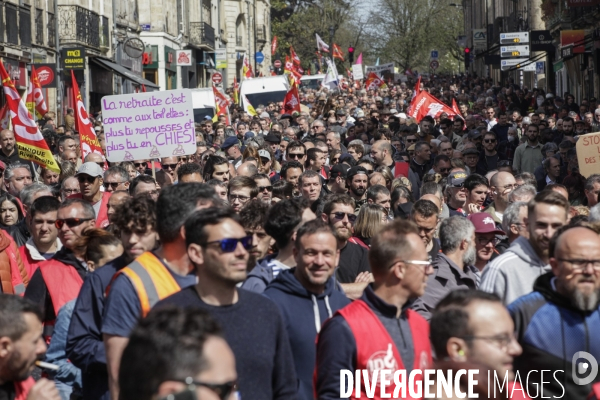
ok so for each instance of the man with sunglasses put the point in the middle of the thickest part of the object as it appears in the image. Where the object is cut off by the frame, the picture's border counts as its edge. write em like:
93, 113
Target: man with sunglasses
453, 266
208, 372
358, 336
457, 193
217, 247
265, 188
560, 318
116, 178
58, 280
170, 166
489, 158
90, 179
296, 151
163, 271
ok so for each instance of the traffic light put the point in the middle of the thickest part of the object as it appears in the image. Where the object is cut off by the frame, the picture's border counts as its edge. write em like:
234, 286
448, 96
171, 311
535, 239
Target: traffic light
351, 54
467, 54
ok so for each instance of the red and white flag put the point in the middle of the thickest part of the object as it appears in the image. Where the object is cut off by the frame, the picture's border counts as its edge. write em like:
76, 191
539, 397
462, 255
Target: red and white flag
247, 68
294, 56
374, 82
35, 98
337, 52
274, 45
457, 111
425, 104
222, 104
321, 45
30, 142
87, 136
291, 102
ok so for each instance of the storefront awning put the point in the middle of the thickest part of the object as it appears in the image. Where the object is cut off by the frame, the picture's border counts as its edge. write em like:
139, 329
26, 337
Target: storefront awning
127, 74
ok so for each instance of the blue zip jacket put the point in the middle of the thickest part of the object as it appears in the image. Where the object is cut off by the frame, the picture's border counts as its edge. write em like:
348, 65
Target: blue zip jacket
260, 276
85, 347
303, 314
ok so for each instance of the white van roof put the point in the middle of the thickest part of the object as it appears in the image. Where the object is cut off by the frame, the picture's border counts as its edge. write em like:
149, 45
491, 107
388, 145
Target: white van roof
311, 77
262, 90
203, 98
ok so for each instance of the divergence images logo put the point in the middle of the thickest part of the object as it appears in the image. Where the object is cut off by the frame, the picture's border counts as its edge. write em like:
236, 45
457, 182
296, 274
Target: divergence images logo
580, 368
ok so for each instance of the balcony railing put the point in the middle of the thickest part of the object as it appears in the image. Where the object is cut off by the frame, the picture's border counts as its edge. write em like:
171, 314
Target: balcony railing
79, 25
202, 34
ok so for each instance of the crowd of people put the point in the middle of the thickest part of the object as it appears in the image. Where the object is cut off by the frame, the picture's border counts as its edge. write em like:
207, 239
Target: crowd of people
290, 247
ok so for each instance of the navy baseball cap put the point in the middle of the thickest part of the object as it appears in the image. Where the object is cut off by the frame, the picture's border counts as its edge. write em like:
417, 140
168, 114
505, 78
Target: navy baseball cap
230, 141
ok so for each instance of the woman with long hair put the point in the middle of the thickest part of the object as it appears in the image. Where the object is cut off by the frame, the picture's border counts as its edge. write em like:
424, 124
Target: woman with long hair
370, 219
11, 212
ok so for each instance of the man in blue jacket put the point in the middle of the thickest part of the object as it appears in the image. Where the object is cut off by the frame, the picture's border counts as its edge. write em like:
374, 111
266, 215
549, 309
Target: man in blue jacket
307, 296
560, 319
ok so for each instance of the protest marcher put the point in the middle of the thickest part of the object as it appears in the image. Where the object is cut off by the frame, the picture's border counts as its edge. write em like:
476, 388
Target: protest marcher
90, 177
217, 248
296, 291
253, 217
425, 215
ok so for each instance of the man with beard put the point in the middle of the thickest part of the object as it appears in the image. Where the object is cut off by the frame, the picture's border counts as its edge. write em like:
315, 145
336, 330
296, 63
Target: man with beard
512, 274
353, 270
560, 317
452, 268
21, 345
253, 217
425, 214
528, 155
357, 182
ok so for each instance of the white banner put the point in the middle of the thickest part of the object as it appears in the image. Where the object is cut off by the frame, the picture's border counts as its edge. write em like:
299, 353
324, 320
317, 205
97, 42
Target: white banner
140, 126
357, 72
380, 69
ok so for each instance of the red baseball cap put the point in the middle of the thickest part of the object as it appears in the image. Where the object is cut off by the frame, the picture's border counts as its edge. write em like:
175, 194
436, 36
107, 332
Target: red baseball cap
484, 223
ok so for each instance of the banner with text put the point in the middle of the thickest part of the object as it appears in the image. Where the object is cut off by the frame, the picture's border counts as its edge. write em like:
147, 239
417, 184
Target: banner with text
381, 70
588, 153
149, 125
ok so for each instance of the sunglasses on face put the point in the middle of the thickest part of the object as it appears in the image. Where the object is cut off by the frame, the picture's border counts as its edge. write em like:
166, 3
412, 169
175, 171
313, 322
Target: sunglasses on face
489, 141
340, 216
267, 188
86, 178
295, 156
411, 140
140, 164
169, 166
71, 222
113, 185
229, 245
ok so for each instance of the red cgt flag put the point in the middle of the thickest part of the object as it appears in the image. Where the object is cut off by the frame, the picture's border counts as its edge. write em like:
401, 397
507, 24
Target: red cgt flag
291, 102
30, 142
374, 82
425, 104
35, 99
295, 58
274, 45
87, 136
337, 52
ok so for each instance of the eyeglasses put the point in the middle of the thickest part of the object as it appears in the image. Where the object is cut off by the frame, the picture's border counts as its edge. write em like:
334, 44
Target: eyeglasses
316, 127
340, 216
502, 340
243, 199
113, 185
229, 245
169, 166
71, 222
71, 191
484, 241
139, 164
223, 390
295, 156
445, 169
580, 265
504, 164
489, 141
411, 140
267, 188
86, 178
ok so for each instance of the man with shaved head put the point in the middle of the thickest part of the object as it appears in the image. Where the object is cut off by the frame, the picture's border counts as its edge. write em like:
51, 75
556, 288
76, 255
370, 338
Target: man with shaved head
566, 298
382, 154
501, 185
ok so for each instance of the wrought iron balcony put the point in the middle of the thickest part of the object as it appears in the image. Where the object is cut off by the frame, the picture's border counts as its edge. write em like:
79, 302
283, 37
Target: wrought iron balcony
79, 26
202, 35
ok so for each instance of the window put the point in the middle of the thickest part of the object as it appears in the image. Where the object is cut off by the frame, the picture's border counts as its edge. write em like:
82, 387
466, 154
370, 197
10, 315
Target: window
51, 30
39, 26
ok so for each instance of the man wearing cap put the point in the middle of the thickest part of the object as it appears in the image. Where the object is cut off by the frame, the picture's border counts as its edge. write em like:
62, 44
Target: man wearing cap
453, 267
266, 163
457, 193
342, 118
529, 154
232, 150
471, 158
337, 179
486, 239
90, 180
273, 142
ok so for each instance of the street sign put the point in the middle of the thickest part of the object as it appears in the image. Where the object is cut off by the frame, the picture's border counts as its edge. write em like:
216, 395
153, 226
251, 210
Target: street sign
566, 51
514, 38
217, 78
529, 67
221, 58
514, 51
434, 54
434, 64
479, 39
510, 63
540, 67
277, 64
541, 41
259, 57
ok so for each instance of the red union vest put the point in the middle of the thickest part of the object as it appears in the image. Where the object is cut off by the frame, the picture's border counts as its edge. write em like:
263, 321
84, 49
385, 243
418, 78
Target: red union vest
375, 349
22, 388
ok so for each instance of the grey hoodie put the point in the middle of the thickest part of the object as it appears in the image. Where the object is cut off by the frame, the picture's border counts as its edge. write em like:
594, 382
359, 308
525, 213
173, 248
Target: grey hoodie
260, 276
512, 274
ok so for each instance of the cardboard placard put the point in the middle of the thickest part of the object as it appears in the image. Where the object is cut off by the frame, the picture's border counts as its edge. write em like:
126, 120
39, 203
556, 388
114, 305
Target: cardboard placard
588, 154
141, 126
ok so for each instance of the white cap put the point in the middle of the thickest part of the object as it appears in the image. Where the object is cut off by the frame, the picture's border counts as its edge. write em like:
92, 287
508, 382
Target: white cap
90, 168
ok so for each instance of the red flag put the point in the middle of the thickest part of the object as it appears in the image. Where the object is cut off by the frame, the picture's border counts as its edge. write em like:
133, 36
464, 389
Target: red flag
143, 88
288, 66
291, 102
457, 111
274, 45
425, 104
295, 58
35, 98
337, 52
87, 136
30, 142
374, 82
221, 102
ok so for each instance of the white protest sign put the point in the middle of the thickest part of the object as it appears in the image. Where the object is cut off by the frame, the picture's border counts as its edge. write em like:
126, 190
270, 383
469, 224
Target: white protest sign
588, 154
380, 69
357, 72
140, 126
